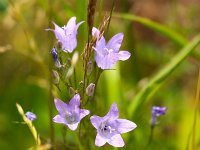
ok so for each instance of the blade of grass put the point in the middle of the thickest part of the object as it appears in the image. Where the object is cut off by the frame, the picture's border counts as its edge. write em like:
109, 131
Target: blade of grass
175, 37
197, 103
161, 76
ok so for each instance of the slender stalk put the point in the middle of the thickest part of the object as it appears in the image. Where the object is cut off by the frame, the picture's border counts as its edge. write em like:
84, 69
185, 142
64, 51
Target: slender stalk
197, 103
78, 140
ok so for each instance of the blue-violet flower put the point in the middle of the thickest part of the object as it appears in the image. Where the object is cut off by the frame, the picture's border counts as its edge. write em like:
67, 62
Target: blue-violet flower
108, 54
110, 127
67, 34
155, 112
31, 116
70, 114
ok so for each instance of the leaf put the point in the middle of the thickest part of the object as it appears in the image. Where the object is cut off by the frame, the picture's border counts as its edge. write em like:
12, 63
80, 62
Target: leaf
161, 76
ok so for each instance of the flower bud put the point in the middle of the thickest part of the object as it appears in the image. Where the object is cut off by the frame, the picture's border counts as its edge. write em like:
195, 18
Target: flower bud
71, 91
31, 116
55, 77
90, 89
89, 68
74, 59
55, 57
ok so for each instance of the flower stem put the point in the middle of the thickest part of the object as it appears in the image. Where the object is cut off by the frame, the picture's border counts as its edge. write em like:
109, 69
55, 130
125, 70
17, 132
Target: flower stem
78, 140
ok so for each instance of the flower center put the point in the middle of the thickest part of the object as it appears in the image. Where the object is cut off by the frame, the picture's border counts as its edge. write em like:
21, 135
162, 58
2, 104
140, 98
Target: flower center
107, 51
71, 118
107, 129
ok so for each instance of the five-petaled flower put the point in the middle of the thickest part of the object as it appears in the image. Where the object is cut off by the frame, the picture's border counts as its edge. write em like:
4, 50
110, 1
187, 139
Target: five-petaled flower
108, 54
67, 34
155, 112
110, 127
70, 114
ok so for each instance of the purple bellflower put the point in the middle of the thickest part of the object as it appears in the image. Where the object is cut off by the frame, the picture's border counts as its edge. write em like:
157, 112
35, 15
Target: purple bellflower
110, 127
67, 34
108, 54
31, 116
155, 112
70, 114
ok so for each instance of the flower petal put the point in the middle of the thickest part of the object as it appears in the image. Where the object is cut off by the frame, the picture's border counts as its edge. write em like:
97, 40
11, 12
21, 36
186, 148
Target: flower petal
83, 113
125, 125
100, 46
71, 24
107, 61
124, 55
60, 106
115, 42
75, 101
59, 119
113, 112
73, 126
95, 32
100, 141
69, 43
116, 141
96, 121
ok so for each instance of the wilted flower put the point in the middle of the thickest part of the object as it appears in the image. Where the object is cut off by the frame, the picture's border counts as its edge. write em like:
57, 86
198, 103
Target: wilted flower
70, 114
108, 54
90, 89
110, 127
67, 34
155, 112
31, 116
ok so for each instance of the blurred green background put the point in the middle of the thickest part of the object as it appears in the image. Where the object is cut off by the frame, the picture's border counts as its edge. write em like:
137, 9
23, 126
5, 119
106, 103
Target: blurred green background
24, 59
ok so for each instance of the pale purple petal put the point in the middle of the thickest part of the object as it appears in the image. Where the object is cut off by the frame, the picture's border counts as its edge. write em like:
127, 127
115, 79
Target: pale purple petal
77, 26
115, 42
113, 112
59, 119
71, 24
59, 32
107, 61
60, 106
75, 101
100, 46
116, 141
31, 116
124, 55
125, 125
69, 43
95, 32
73, 126
83, 113
100, 141
96, 121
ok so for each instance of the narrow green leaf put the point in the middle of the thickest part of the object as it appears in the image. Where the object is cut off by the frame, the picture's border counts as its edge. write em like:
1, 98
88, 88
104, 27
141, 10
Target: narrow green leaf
161, 76
175, 37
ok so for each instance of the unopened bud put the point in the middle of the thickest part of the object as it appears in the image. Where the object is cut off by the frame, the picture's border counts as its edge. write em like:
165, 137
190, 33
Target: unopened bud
55, 77
71, 91
74, 59
55, 57
70, 72
31, 116
90, 89
81, 84
89, 68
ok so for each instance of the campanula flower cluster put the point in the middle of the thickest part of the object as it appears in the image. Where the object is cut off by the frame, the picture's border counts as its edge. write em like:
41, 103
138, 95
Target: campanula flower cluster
106, 54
